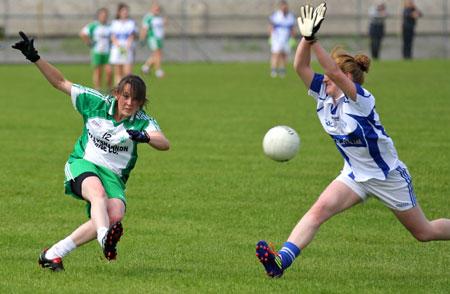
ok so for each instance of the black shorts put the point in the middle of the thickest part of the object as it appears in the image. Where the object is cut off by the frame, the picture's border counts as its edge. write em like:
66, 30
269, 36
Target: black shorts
76, 184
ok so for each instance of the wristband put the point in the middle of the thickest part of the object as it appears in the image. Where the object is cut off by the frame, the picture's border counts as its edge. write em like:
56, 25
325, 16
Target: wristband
311, 42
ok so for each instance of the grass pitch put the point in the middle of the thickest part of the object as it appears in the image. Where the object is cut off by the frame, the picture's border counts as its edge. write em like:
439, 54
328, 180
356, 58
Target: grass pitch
196, 212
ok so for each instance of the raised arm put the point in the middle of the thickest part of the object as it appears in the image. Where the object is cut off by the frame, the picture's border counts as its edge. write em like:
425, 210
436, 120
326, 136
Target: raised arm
302, 63
333, 72
309, 23
54, 76
26, 46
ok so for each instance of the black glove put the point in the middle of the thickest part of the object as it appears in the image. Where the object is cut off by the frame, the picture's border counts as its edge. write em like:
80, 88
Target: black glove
27, 48
138, 136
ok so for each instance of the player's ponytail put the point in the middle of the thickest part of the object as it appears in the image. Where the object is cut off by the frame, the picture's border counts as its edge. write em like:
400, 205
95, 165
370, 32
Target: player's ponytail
357, 66
363, 61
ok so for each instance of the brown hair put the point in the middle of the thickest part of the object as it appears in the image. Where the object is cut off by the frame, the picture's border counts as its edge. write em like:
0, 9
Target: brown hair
356, 66
119, 7
102, 9
138, 89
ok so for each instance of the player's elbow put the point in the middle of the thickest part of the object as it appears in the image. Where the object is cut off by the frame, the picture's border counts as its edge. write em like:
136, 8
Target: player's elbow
163, 145
302, 71
63, 85
60, 85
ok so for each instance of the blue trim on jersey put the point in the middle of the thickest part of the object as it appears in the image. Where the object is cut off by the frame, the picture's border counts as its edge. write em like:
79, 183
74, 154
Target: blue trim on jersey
122, 36
378, 127
316, 83
351, 175
404, 174
343, 154
360, 90
355, 139
371, 136
333, 109
278, 26
319, 109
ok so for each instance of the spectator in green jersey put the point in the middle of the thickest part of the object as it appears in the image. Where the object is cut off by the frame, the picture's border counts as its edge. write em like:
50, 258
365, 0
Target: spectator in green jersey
97, 36
152, 31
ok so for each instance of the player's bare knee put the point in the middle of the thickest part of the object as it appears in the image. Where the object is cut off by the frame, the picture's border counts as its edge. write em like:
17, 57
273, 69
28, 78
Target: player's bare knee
317, 214
115, 217
98, 196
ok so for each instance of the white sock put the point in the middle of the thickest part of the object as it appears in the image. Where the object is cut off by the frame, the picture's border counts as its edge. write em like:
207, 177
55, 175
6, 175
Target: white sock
159, 73
101, 232
61, 249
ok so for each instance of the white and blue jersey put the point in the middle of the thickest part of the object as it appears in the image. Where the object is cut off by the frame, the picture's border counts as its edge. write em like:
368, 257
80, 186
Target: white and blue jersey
282, 26
122, 30
354, 126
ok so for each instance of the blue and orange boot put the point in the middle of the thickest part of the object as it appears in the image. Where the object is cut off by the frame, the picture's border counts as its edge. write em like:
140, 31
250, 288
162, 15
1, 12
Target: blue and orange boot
270, 259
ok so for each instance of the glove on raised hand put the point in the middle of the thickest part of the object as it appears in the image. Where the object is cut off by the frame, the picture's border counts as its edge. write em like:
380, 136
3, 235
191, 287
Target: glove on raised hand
319, 13
26, 46
306, 22
311, 19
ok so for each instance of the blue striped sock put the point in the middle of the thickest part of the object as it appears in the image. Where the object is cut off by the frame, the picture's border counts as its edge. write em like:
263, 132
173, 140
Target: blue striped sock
288, 253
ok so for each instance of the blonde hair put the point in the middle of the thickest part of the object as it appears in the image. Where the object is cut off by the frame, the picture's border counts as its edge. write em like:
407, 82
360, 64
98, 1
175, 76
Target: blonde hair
357, 66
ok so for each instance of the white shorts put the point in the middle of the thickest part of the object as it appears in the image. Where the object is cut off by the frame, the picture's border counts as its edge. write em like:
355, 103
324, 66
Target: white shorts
279, 47
396, 192
119, 58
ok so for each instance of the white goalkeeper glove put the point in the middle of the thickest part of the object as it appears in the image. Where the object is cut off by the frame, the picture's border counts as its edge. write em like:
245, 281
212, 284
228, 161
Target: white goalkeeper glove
310, 20
306, 22
319, 13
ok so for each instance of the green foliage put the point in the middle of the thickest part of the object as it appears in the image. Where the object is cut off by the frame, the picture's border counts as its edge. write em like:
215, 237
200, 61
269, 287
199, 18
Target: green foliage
196, 211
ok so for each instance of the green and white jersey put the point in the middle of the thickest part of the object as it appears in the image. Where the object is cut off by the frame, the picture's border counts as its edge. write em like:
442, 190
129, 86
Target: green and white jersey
154, 24
100, 36
104, 141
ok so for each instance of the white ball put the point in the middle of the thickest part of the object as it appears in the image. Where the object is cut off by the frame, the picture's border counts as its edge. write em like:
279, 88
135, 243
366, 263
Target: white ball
281, 143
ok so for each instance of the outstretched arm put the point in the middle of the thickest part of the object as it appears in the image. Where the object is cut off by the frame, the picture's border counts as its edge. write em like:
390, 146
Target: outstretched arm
302, 63
54, 76
333, 72
156, 139
309, 23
